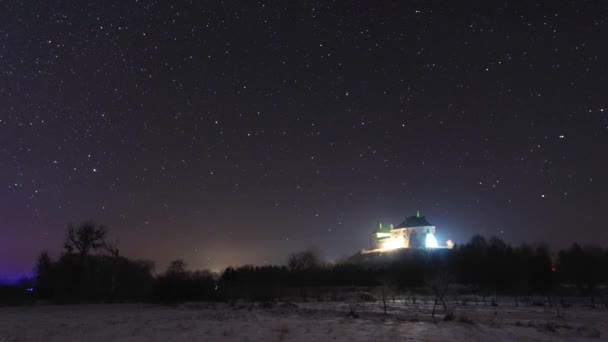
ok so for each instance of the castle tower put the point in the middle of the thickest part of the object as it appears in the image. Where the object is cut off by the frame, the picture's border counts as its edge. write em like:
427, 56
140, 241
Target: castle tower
413, 232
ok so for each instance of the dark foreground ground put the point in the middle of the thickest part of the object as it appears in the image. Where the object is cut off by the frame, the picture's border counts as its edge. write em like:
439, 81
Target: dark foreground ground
325, 321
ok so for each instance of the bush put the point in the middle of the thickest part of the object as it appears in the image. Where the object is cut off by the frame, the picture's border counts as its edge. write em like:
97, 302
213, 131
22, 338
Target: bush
19, 294
75, 278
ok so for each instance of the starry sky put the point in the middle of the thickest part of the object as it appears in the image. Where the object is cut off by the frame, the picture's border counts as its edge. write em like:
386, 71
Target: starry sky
236, 132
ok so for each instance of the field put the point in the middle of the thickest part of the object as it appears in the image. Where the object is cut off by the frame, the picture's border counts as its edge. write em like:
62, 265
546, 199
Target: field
349, 320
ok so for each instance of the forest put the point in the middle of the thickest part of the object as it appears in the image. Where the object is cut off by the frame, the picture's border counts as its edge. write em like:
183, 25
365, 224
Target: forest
92, 270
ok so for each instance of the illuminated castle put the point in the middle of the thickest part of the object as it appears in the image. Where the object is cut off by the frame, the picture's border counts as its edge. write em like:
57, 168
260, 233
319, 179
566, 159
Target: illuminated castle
414, 232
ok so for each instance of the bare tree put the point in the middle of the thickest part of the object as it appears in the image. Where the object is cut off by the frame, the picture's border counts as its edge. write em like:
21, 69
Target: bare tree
176, 267
439, 283
86, 237
43, 275
308, 259
111, 248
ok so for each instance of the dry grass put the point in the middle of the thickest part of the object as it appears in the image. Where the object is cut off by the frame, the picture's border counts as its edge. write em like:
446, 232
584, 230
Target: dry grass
296, 323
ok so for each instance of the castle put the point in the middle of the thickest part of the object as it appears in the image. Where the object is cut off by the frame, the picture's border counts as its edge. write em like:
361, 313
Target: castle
414, 232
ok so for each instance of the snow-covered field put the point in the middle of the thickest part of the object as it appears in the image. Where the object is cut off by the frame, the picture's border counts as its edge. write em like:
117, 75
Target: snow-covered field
317, 321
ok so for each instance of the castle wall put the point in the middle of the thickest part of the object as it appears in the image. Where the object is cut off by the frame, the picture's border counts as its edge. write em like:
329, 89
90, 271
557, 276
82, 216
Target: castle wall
413, 237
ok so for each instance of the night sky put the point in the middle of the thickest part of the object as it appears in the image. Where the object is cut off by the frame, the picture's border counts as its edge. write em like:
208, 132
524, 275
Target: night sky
236, 132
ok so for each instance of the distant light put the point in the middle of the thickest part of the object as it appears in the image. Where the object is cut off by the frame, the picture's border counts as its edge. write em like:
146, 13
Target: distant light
30, 289
431, 242
553, 269
449, 244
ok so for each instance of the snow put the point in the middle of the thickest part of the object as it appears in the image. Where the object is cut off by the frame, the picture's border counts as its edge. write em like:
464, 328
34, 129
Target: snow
315, 321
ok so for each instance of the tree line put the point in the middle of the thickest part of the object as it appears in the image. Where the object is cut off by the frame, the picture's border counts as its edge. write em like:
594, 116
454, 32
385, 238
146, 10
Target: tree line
91, 269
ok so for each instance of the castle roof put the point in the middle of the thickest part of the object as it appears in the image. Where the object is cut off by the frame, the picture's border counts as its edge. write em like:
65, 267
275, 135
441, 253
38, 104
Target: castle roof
414, 221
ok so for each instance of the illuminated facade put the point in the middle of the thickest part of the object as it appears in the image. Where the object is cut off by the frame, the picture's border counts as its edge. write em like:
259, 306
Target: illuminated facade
414, 232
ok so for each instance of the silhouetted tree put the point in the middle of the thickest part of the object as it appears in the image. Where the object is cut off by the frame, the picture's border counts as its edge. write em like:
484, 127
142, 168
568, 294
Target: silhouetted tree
176, 268
174, 281
110, 248
583, 267
84, 238
305, 260
43, 275
439, 283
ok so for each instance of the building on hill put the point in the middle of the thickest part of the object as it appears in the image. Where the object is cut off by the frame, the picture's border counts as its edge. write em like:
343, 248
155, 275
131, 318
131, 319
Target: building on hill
381, 236
414, 232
